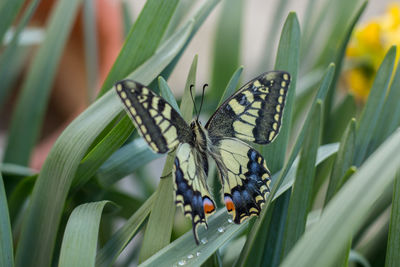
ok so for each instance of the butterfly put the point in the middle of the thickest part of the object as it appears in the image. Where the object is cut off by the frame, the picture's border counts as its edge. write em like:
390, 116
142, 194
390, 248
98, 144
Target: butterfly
251, 115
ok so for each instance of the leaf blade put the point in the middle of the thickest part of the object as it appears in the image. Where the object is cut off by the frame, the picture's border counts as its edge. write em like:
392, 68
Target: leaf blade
348, 208
29, 111
80, 237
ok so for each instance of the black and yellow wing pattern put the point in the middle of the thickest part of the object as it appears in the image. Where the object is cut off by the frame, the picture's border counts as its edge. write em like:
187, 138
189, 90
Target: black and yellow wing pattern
164, 129
253, 114
157, 121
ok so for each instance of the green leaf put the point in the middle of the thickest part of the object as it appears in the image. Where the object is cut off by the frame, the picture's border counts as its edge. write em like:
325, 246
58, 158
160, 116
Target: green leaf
10, 53
287, 60
6, 241
142, 41
91, 48
48, 197
29, 111
19, 196
103, 150
273, 30
393, 246
301, 197
125, 161
118, 241
337, 19
232, 85
183, 8
79, 243
199, 17
127, 203
339, 56
163, 210
372, 109
389, 118
43, 215
17, 170
358, 258
343, 160
167, 94
340, 117
184, 251
227, 46
255, 240
8, 12
324, 152
348, 209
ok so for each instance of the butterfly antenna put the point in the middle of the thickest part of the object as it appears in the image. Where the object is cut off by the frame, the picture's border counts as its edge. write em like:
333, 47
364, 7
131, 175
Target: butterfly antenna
191, 94
202, 99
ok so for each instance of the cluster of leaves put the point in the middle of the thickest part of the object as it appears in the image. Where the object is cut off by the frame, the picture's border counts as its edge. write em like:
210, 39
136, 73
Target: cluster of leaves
332, 177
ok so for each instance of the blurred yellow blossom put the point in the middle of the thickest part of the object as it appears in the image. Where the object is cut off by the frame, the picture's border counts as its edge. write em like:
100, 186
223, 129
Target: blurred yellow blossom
367, 48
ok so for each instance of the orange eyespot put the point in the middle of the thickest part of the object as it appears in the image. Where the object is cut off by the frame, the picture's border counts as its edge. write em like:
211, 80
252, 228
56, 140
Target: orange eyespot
208, 206
229, 203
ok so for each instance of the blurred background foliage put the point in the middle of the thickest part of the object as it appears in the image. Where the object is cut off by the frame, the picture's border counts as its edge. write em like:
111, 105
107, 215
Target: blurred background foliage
78, 187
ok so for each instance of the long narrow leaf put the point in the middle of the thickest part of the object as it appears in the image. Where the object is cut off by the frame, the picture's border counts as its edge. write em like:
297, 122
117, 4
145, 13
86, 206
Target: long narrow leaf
393, 246
112, 249
6, 242
80, 237
227, 46
287, 60
48, 198
8, 12
348, 209
301, 197
150, 25
389, 119
125, 161
31, 105
372, 110
11, 51
232, 85
338, 62
343, 160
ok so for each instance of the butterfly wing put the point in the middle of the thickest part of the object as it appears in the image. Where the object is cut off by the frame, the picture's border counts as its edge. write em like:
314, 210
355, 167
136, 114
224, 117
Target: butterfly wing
157, 121
190, 185
254, 112
245, 177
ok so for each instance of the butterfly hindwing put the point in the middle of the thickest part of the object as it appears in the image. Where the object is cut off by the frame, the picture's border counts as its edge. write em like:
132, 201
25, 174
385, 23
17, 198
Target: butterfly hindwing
157, 121
191, 188
254, 112
245, 178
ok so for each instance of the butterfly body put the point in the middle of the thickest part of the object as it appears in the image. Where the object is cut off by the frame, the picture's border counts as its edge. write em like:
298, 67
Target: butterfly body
252, 114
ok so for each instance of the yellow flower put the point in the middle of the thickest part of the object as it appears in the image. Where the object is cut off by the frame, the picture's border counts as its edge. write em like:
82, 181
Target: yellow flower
367, 48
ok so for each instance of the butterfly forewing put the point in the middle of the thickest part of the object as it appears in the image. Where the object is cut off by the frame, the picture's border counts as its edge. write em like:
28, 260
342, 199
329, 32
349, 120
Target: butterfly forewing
245, 178
191, 188
254, 112
157, 121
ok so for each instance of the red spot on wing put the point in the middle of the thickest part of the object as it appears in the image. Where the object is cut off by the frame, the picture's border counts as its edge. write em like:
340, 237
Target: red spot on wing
208, 206
229, 203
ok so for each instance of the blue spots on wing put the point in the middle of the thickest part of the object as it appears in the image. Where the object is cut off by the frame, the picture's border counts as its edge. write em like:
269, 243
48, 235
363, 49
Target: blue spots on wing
249, 197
